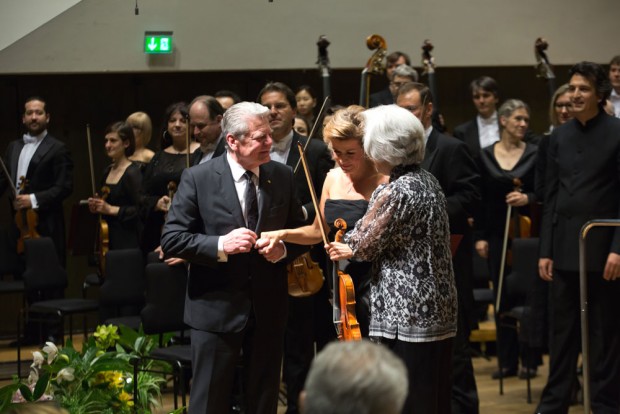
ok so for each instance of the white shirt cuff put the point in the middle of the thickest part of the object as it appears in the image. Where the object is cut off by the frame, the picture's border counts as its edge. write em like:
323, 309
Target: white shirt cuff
33, 201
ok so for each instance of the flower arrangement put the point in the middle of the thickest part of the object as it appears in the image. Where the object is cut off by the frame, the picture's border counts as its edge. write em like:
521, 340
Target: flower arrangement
98, 379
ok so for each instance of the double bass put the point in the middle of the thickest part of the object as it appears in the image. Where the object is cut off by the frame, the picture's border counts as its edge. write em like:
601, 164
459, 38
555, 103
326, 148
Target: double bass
374, 66
323, 62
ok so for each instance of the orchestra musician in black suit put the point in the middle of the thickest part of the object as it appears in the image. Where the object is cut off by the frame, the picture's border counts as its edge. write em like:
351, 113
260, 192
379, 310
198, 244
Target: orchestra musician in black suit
44, 165
448, 159
582, 183
205, 122
41, 168
483, 130
236, 293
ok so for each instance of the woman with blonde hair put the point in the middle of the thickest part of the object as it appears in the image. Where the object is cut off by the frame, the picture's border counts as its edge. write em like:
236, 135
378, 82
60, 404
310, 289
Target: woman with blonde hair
142, 130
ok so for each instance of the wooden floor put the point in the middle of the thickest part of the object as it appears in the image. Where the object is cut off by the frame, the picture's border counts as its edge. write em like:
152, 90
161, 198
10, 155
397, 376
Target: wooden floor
512, 402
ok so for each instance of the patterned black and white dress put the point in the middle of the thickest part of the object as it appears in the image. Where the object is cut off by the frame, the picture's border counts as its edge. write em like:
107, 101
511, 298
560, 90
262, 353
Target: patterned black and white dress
405, 233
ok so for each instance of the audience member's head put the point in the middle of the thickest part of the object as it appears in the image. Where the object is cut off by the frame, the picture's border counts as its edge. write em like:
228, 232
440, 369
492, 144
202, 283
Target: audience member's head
356, 377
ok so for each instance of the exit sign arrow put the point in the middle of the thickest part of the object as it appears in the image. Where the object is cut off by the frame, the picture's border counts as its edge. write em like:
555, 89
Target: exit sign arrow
152, 45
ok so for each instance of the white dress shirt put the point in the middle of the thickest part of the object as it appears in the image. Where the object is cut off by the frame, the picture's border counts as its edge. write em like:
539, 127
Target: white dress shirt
488, 130
615, 99
25, 156
281, 149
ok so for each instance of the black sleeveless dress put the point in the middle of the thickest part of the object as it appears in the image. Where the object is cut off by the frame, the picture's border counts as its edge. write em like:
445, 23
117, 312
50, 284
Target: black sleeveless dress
351, 211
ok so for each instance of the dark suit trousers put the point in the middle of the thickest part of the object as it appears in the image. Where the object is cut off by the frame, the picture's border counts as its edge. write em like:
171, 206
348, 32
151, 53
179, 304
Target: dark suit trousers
565, 343
309, 321
464, 390
214, 358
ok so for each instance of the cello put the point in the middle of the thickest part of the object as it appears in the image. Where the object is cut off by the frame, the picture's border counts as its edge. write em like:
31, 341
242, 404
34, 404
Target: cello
374, 66
343, 299
26, 219
543, 67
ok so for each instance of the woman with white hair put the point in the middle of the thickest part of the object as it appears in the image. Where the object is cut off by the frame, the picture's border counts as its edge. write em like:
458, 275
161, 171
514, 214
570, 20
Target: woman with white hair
405, 233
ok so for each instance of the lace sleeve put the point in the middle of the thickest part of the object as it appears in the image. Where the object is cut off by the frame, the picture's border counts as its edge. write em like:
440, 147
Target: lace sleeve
368, 238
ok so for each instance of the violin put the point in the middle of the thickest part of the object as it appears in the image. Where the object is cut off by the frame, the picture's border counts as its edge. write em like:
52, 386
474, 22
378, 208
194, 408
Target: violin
350, 328
305, 277
103, 234
516, 226
26, 219
323, 62
374, 66
344, 319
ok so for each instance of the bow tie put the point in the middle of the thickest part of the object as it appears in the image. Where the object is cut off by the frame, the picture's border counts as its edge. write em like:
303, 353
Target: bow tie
279, 146
29, 139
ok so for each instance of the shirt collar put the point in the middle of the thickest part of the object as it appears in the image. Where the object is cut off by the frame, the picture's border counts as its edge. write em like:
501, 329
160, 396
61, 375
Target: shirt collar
38, 138
488, 121
284, 144
237, 170
427, 133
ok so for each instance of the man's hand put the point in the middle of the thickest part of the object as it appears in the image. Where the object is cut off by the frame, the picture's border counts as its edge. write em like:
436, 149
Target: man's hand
612, 267
171, 261
163, 204
545, 269
22, 201
239, 241
270, 250
338, 251
482, 248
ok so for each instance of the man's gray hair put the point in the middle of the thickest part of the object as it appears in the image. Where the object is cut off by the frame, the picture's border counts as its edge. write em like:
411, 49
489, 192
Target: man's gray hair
235, 121
405, 71
356, 377
393, 135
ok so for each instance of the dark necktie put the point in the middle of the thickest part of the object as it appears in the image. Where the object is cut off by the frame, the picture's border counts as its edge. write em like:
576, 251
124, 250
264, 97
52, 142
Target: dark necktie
251, 202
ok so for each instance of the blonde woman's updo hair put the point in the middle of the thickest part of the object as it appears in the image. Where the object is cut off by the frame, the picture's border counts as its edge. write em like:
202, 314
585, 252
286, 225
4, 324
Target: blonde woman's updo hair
393, 135
142, 122
344, 125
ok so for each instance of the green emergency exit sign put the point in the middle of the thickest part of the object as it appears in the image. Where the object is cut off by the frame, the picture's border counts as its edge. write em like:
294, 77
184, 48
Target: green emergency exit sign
158, 42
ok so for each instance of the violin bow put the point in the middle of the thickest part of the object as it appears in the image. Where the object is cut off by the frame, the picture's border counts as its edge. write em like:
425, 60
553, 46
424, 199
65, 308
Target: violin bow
319, 120
304, 163
90, 159
8, 177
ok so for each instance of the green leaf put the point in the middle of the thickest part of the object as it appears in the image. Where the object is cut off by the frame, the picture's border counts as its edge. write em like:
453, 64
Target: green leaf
115, 364
26, 393
41, 386
6, 395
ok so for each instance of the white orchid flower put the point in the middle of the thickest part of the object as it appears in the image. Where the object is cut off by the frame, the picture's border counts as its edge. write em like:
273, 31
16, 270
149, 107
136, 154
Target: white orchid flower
33, 377
51, 351
37, 359
65, 374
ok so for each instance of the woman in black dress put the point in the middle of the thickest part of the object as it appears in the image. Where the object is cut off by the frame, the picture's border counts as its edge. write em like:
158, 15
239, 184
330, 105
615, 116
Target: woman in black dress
163, 173
346, 192
499, 164
123, 180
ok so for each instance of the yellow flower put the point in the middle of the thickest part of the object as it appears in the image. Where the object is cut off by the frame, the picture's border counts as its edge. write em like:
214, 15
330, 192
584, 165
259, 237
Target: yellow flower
106, 336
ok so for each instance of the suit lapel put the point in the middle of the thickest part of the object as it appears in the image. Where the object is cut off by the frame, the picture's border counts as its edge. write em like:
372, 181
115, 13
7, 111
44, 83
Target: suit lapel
293, 154
265, 197
430, 151
14, 159
229, 192
42, 149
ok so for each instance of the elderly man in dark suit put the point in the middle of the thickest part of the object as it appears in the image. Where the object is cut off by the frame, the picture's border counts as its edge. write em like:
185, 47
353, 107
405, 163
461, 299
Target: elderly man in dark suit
309, 318
236, 293
583, 183
449, 161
